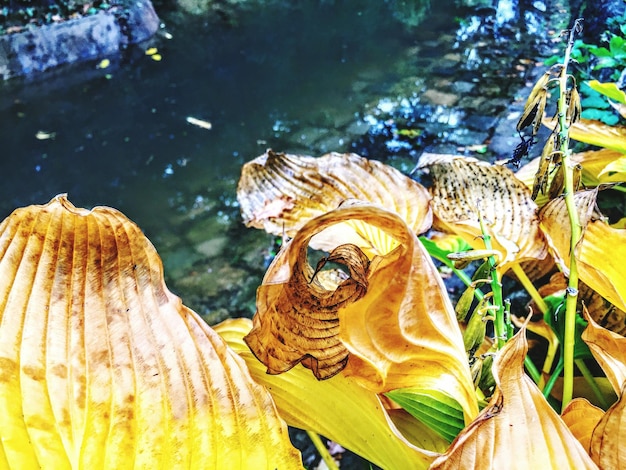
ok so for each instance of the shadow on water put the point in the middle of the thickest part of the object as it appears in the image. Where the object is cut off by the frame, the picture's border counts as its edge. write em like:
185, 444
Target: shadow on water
118, 136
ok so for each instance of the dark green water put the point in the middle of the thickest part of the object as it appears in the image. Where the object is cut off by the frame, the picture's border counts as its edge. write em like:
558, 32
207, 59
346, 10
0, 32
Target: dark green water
124, 141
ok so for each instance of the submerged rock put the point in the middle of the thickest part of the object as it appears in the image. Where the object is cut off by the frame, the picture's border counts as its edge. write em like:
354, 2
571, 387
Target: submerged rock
103, 34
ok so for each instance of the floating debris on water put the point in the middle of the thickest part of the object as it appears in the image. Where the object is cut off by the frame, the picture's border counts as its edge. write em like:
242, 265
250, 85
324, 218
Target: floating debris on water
200, 123
43, 135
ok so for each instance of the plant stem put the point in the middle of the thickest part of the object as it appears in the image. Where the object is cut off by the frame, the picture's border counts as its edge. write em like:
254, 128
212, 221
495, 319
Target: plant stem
568, 178
323, 451
532, 369
530, 288
499, 324
591, 381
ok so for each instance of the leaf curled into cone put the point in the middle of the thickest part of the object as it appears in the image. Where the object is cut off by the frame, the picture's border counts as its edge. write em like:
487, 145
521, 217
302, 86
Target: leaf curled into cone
464, 190
280, 192
518, 429
390, 324
102, 367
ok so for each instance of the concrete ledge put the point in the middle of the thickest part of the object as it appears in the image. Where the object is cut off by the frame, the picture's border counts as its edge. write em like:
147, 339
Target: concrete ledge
103, 34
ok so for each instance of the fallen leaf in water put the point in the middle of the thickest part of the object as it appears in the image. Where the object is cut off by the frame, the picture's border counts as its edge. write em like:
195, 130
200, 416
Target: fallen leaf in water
103, 64
43, 135
102, 367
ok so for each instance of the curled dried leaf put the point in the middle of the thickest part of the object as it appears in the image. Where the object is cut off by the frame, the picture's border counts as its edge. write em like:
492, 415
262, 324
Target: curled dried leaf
280, 192
401, 332
102, 367
574, 109
531, 107
518, 429
465, 190
542, 175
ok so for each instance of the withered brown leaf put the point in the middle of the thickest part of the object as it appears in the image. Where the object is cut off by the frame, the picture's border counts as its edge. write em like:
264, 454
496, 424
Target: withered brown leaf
465, 190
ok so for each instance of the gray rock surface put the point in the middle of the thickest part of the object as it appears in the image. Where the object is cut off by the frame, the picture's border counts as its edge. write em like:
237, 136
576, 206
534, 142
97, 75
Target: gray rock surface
90, 37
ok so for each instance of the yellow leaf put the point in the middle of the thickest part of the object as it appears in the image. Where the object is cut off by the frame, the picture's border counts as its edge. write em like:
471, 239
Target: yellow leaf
518, 429
600, 253
582, 417
392, 315
339, 409
609, 349
102, 367
464, 190
595, 133
280, 192
594, 163
608, 442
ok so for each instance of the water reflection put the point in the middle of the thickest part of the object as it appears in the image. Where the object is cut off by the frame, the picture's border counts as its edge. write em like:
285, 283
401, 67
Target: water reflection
121, 136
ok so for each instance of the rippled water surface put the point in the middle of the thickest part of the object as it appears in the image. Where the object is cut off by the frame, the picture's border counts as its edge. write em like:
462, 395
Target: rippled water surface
285, 78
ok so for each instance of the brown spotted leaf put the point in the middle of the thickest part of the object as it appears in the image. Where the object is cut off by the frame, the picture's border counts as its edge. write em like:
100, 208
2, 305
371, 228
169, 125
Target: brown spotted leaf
280, 192
464, 190
518, 429
600, 253
390, 319
102, 367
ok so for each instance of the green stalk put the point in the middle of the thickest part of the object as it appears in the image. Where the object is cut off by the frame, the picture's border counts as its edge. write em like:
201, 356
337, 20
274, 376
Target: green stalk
591, 381
530, 288
322, 450
568, 179
499, 324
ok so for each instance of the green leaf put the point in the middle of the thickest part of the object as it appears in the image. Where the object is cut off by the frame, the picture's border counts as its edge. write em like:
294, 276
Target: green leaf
610, 90
617, 47
440, 252
606, 116
555, 317
435, 408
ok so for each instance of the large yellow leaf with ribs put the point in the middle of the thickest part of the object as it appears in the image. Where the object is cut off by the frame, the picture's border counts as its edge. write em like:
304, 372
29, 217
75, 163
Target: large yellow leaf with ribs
280, 192
101, 367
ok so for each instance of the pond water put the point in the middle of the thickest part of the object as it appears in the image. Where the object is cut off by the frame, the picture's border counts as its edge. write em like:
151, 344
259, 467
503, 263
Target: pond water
301, 79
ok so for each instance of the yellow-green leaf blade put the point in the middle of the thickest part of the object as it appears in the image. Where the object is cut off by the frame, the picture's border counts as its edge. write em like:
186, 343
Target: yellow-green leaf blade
338, 408
435, 408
